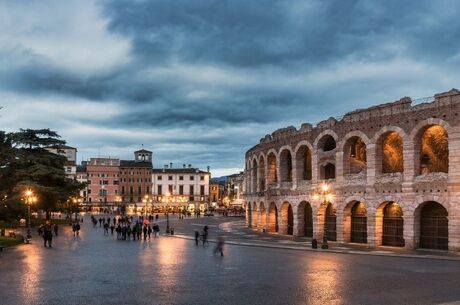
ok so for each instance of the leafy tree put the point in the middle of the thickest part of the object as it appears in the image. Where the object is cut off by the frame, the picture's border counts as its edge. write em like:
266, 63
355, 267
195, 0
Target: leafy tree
32, 166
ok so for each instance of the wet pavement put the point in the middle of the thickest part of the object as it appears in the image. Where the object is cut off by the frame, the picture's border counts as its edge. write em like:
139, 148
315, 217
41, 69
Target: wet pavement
98, 269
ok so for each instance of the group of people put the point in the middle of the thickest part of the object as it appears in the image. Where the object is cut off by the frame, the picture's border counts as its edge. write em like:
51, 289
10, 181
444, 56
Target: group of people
126, 227
46, 231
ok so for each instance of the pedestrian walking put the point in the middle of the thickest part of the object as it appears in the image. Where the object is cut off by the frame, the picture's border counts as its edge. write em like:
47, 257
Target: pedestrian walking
219, 246
55, 229
149, 230
112, 228
197, 237
144, 230
47, 234
156, 229
106, 228
100, 222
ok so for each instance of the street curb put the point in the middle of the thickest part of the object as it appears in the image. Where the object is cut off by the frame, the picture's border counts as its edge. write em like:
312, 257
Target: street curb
431, 257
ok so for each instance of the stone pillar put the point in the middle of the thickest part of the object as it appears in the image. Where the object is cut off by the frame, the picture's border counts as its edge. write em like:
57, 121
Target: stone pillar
339, 226
295, 215
314, 168
371, 155
278, 172
339, 167
454, 233
411, 232
294, 172
454, 159
371, 230
409, 162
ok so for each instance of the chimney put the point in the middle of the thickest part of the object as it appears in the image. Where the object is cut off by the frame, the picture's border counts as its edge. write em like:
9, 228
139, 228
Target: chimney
184, 165
166, 166
190, 166
208, 168
170, 165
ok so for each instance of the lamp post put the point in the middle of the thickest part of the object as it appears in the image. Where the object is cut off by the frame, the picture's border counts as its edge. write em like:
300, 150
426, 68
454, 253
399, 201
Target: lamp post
324, 196
146, 201
166, 199
30, 198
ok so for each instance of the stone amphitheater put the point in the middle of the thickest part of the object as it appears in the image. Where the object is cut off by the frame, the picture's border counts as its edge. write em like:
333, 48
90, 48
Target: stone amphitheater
392, 175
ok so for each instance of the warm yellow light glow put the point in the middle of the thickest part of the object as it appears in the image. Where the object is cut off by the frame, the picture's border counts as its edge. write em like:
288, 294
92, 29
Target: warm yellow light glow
29, 193
329, 197
325, 187
315, 197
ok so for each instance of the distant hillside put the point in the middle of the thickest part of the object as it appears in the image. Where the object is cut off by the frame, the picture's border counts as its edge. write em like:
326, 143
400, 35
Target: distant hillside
222, 179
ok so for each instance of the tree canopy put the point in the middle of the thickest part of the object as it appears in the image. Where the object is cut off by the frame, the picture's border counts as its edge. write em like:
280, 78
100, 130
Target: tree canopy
25, 163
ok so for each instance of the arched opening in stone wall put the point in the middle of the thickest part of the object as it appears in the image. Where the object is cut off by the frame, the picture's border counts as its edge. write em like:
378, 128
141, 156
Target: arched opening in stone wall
286, 166
327, 143
261, 174
433, 223
358, 223
272, 175
287, 219
272, 218
249, 214
254, 171
354, 159
262, 216
327, 171
305, 219
432, 150
389, 226
331, 222
390, 153
303, 163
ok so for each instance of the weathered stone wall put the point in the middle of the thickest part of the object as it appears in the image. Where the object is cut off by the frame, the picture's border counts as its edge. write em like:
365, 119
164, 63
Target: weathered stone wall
409, 188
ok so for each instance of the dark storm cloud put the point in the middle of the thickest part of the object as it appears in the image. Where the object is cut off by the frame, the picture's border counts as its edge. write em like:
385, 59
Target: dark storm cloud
242, 67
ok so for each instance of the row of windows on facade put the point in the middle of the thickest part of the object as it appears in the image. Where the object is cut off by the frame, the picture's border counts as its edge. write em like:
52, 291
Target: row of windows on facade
131, 199
170, 178
171, 189
159, 177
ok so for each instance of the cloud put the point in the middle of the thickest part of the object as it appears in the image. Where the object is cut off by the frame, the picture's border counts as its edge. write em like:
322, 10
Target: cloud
202, 81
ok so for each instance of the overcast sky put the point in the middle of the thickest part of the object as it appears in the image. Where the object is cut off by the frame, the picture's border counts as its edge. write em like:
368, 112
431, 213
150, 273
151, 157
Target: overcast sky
201, 82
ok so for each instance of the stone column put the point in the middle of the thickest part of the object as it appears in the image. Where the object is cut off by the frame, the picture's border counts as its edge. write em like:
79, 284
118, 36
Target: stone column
314, 168
294, 172
339, 167
411, 232
339, 226
371, 155
371, 230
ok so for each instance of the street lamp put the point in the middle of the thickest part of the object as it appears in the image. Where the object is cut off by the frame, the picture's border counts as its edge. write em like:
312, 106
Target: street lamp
166, 199
324, 196
30, 199
146, 200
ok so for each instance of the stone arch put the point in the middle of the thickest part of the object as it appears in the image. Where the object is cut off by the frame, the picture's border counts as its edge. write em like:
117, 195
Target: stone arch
287, 219
303, 157
330, 132
262, 216
327, 220
272, 218
354, 148
261, 174
389, 224
431, 226
304, 219
389, 151
327, 171
355, 222
272, 173
285, 159
431, 146
249, 214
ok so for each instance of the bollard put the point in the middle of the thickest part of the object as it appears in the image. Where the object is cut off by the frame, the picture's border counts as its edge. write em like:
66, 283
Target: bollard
314, 244
172, 231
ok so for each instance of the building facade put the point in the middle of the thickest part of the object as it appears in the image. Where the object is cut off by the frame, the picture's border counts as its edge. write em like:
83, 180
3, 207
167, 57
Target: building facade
180, 188
393, 174
136, 178
70, 153
103, 181
216, 193
234, 189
